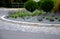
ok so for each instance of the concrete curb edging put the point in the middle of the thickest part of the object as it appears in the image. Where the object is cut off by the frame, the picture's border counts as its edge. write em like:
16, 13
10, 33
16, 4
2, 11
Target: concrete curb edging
30, 23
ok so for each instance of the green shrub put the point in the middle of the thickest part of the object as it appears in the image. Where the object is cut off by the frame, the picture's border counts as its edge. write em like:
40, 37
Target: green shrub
39, 5
13, 15
51, 20
47, 5
7, 16
30, 5
59, 20
43, 17
56, 17
40, 19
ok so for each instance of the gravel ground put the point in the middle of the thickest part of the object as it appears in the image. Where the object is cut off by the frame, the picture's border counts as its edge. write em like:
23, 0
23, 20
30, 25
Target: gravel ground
17, 31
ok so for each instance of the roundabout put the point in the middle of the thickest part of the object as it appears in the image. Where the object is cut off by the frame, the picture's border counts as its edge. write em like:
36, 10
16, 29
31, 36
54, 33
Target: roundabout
28, 27
10, 29
35, 19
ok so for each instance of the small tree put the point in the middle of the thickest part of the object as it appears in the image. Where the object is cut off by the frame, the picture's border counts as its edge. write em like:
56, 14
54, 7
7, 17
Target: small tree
30, 5
47, 5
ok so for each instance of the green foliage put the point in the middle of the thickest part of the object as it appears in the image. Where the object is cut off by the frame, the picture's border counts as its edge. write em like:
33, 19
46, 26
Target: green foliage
58, 18
46, 5
40, 20
37, 13
30, 5
39, 5
24, 14
50, 18
19, 14
13, 15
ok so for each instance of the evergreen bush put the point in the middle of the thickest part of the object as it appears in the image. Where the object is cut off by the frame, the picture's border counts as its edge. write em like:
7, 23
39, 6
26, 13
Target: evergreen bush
30, 5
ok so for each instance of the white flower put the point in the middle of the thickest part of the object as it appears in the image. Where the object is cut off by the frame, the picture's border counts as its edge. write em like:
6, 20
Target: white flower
36, 0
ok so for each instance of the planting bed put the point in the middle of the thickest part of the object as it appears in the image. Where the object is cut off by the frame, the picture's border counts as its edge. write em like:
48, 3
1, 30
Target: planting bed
35, 17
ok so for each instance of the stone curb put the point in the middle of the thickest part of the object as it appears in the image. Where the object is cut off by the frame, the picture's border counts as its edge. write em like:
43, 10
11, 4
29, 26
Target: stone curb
29, 23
